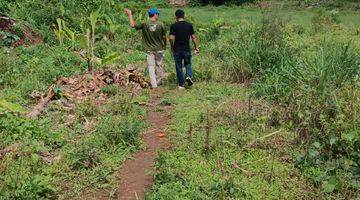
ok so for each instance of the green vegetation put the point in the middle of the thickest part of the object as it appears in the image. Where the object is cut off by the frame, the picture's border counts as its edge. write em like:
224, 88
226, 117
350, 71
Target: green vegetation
239, 159
274, 113
58, 156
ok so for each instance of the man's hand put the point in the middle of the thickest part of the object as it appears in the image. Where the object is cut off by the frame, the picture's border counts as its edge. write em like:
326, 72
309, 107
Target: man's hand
197, 50
196, 44
128, 11
131, 19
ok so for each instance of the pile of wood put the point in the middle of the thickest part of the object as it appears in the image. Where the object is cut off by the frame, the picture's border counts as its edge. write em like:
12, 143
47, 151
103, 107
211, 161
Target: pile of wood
82, 86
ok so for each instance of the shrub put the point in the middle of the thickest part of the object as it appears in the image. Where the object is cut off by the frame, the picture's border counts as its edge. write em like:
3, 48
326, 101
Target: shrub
88, 108
317, 90
7, 38
14, 128
253, 49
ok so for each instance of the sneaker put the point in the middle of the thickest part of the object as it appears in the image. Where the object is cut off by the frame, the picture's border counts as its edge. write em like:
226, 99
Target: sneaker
181, 88
160, 80
189, 81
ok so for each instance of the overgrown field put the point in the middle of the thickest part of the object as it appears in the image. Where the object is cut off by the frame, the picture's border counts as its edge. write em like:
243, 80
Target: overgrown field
274, 113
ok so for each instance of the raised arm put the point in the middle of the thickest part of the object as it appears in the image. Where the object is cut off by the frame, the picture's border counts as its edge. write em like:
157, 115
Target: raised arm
130, 16
196, 44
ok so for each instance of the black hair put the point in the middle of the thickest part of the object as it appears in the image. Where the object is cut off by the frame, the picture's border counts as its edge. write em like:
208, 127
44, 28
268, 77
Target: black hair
180, 14
151, 15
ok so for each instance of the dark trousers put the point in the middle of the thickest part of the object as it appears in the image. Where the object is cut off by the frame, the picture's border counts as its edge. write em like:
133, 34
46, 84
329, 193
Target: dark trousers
183, 58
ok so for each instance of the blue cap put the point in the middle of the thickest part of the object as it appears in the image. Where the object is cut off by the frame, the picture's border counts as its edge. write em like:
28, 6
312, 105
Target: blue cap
154, 11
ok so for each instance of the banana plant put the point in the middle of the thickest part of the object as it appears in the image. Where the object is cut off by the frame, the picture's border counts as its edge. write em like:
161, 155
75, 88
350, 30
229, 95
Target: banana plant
62, 31
87, 39
59, 31
70, 35
60, 23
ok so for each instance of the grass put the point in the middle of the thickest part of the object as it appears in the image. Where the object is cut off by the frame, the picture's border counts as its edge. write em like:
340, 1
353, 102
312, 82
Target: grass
236, 15
60, 158
250, 150
231, 168
195, 172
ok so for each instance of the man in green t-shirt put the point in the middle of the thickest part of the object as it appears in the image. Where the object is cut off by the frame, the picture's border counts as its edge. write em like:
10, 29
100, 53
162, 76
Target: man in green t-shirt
154, 42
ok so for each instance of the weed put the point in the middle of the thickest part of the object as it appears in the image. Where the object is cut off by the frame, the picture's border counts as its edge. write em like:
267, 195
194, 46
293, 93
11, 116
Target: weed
121, 104
88, 108
32, 182
119, 131
110, 90
7, 38
86, 153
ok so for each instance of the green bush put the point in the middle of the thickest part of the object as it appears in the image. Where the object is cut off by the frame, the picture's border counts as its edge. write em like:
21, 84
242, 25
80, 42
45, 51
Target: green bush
7, 38
87, 108
317, 90
221, 2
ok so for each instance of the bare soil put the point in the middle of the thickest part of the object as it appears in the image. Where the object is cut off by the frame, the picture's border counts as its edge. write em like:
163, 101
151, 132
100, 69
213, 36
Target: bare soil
135, 176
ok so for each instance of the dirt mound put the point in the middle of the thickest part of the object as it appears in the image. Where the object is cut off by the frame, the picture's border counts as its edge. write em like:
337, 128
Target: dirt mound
6, 23
82, 86
19, 34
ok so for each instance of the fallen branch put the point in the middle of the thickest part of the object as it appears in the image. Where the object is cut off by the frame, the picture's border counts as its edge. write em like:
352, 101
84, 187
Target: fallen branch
36, 110
263, 137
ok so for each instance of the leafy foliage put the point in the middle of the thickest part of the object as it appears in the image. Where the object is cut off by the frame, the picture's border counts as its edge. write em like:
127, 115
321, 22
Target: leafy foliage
6, 38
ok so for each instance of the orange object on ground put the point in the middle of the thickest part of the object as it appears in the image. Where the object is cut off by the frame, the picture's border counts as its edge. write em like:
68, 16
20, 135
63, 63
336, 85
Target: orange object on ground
161, 134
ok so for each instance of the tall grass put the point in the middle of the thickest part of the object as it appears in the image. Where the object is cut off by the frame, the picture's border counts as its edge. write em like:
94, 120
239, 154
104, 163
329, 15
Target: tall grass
317, 90
253, 49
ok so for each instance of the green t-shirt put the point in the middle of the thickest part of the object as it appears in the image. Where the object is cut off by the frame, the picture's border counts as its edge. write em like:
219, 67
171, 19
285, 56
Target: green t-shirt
153, 35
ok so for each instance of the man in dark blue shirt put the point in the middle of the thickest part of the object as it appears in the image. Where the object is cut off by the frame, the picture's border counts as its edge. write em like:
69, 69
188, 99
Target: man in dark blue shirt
180, 34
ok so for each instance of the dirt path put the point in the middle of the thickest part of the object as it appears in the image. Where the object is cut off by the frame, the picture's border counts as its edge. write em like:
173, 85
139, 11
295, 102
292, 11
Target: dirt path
135, 176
